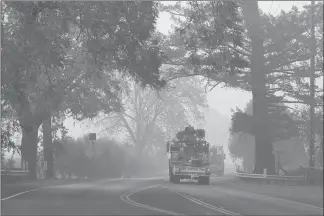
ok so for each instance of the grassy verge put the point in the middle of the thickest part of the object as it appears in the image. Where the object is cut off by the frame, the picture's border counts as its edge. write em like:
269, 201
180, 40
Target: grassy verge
312, 195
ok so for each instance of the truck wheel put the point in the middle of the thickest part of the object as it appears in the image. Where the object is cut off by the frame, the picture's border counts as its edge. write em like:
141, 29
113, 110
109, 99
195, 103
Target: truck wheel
171, 178
204, 180
207, 180
176, 179
200, 180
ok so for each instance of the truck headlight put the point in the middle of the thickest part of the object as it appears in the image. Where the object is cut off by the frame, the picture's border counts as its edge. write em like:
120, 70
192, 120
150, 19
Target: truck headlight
208, 170
175, 170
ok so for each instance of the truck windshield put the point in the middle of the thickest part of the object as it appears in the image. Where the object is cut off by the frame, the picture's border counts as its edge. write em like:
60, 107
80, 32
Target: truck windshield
189, 152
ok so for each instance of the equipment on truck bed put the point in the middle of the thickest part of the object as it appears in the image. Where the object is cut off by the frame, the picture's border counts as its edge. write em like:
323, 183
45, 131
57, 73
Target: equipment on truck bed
217, 158
189, 156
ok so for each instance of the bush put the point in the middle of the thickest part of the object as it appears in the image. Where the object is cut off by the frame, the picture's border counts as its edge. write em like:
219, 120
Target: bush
111, 160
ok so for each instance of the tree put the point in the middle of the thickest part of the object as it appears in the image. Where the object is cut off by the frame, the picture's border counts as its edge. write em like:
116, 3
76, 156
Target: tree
302, 116
225, 54
286, 41
283, 134
206, 41
258, 77
287, 48
111, 159
282, 70
263, 145
52, 49
150, 118
9, 127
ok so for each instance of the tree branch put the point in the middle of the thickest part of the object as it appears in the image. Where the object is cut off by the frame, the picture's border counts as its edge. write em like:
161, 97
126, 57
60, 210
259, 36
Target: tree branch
131, 133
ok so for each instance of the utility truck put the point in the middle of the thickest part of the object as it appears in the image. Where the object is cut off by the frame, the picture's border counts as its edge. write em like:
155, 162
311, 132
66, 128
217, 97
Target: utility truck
189, 156
216, 158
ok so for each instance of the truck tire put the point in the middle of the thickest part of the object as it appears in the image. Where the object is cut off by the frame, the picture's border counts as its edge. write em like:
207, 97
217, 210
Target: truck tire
204, 180
207, 180
176, 179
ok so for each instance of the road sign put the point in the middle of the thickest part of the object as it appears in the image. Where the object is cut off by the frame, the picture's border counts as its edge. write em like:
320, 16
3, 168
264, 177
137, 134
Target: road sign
92, 136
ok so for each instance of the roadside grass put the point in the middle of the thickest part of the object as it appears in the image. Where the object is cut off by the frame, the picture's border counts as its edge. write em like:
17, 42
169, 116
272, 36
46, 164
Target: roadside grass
308, 194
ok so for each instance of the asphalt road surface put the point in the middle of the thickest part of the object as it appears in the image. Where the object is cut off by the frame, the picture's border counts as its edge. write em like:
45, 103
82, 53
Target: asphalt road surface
150, 196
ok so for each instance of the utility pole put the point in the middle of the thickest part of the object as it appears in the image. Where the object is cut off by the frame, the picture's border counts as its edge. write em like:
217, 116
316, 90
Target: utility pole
312, 88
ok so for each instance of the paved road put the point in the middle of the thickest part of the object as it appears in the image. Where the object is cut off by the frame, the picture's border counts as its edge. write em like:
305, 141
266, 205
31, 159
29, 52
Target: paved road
153, 196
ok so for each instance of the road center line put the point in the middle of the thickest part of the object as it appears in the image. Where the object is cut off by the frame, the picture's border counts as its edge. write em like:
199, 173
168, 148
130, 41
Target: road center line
199, 202
126, 198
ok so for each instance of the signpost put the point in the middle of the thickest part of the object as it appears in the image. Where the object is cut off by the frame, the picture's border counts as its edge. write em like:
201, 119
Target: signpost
93, 137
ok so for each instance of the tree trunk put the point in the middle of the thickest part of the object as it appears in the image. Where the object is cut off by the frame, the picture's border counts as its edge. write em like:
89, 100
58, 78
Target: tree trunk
30, 150
264, 157
48, 147
22, 150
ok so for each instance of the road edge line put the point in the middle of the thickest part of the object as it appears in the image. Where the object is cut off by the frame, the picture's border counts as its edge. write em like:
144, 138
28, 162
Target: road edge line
18, 194
204, 204
41, 188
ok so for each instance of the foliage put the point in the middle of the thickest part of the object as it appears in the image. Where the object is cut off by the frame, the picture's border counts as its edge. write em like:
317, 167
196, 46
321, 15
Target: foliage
287, 45
40, 73
64, 56
150, 118
283, 127
292, 153
9, 128
8, 163
206, 40
302, 117
111, 159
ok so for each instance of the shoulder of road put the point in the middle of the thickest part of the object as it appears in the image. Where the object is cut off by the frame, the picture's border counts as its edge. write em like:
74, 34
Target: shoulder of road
312, 195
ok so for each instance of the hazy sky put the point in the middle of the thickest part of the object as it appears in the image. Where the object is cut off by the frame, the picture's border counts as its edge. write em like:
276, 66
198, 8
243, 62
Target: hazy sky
224, 99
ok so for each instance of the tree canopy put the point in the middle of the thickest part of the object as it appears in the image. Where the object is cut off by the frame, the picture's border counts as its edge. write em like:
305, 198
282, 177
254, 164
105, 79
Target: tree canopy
65, 56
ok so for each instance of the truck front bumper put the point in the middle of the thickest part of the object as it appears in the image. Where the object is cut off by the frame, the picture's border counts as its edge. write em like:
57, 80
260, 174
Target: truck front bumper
185, 175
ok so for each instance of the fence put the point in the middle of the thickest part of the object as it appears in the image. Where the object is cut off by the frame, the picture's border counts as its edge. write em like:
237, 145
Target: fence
309, 176
13, 176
